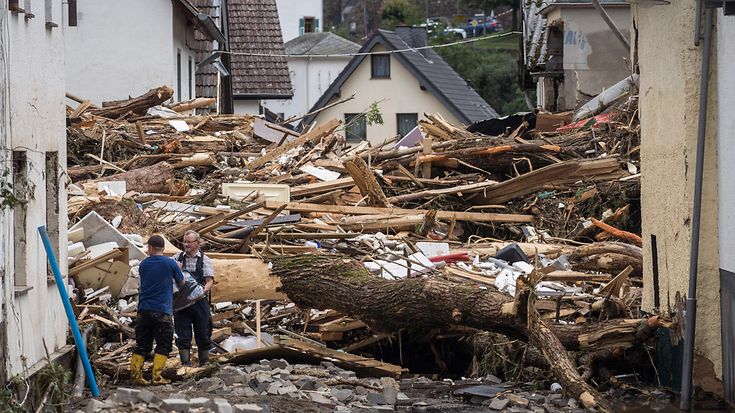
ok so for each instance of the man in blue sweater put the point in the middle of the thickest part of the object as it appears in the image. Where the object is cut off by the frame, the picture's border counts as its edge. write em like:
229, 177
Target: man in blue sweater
155, 302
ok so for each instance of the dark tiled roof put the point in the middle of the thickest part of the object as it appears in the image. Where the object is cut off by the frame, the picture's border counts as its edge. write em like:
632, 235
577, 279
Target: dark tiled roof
207, 75
320, 44
254, 28
432, 72
446, 82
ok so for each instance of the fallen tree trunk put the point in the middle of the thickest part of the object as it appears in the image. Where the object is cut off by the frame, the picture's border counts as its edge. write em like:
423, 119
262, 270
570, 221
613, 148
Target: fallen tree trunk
340, 283
157, 178
138, 105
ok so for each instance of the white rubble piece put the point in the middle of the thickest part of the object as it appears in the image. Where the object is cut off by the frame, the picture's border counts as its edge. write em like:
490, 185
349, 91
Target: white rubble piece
112, 188
433, 249
321, 173
97, 231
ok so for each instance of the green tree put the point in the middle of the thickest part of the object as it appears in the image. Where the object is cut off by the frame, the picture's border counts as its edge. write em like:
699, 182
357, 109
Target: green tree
398, 13
491, 71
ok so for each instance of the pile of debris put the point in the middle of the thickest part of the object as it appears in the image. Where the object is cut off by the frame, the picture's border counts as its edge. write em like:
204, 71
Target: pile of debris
446, 227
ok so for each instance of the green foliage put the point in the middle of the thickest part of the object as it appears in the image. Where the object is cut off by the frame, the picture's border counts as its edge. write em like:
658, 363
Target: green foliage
398, 13
8, 404
491, 71
57, 376
373, 115
13, 195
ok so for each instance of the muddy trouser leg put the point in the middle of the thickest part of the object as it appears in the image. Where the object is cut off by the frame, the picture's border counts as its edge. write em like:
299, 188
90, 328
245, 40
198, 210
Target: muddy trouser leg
202, 320
182, 322
144, 333
164, 333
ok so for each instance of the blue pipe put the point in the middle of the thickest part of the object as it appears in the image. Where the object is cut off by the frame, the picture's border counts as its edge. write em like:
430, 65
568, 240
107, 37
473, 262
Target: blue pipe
81, 348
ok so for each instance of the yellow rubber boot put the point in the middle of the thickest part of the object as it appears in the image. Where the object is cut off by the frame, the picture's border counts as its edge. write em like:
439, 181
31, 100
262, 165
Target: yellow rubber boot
159, 363
136, 370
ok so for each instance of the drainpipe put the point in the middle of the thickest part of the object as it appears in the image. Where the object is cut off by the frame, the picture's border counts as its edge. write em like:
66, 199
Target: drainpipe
691, 302
611, 24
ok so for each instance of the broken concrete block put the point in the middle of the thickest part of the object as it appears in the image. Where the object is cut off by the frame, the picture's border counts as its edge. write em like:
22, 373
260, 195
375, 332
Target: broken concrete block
376, 399
287, 387
342, 395
321, 399
518, 400
248, 408
94, 406
273, 387
199, 402
125, 395
175, 405
220, 406
498, 404
148, 396
390, 395
279, 364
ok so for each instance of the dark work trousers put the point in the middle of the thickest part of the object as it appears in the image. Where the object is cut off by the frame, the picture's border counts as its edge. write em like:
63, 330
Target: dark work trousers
199, 317
153, 325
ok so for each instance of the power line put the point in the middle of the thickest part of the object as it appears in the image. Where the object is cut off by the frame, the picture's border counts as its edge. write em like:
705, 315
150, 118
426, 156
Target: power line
388, 52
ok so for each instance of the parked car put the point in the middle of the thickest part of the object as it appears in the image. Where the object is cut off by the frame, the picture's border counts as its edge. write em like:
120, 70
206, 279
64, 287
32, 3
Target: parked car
482, 25
436, 25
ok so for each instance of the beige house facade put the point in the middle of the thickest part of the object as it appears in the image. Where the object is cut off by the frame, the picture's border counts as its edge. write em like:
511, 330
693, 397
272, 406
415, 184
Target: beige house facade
670, 73
403, 85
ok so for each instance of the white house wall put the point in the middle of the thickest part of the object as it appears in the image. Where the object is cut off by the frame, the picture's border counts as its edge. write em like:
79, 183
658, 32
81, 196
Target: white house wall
183, 35
36, 78
242, 107
310, 78
291, 11
119, 48
399, 94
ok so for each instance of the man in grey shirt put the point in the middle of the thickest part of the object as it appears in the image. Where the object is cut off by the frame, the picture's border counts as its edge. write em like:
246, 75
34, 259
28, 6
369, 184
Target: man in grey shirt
197, 316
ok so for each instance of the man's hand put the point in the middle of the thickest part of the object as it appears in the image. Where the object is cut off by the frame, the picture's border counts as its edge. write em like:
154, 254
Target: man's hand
208, 284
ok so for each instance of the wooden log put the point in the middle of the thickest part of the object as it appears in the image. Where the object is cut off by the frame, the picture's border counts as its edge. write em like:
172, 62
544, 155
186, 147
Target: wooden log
329, 281
444, 215
244, 279
157, 178
365, 180
610, 262
138, 105
192, 104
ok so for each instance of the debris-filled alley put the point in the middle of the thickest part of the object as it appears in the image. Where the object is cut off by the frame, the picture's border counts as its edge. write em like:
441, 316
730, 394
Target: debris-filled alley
300, 213
371, 262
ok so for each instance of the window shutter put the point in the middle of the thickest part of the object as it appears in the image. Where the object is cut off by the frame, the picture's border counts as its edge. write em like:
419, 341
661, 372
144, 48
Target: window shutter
301, 26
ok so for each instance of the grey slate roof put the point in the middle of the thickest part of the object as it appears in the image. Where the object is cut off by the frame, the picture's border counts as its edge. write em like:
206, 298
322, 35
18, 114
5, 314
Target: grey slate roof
320, 44
432, 72
253, 27
206, 77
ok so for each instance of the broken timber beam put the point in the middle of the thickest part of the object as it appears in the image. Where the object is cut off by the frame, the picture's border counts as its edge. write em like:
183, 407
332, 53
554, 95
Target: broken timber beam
311, 136
365, 180
446, 215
